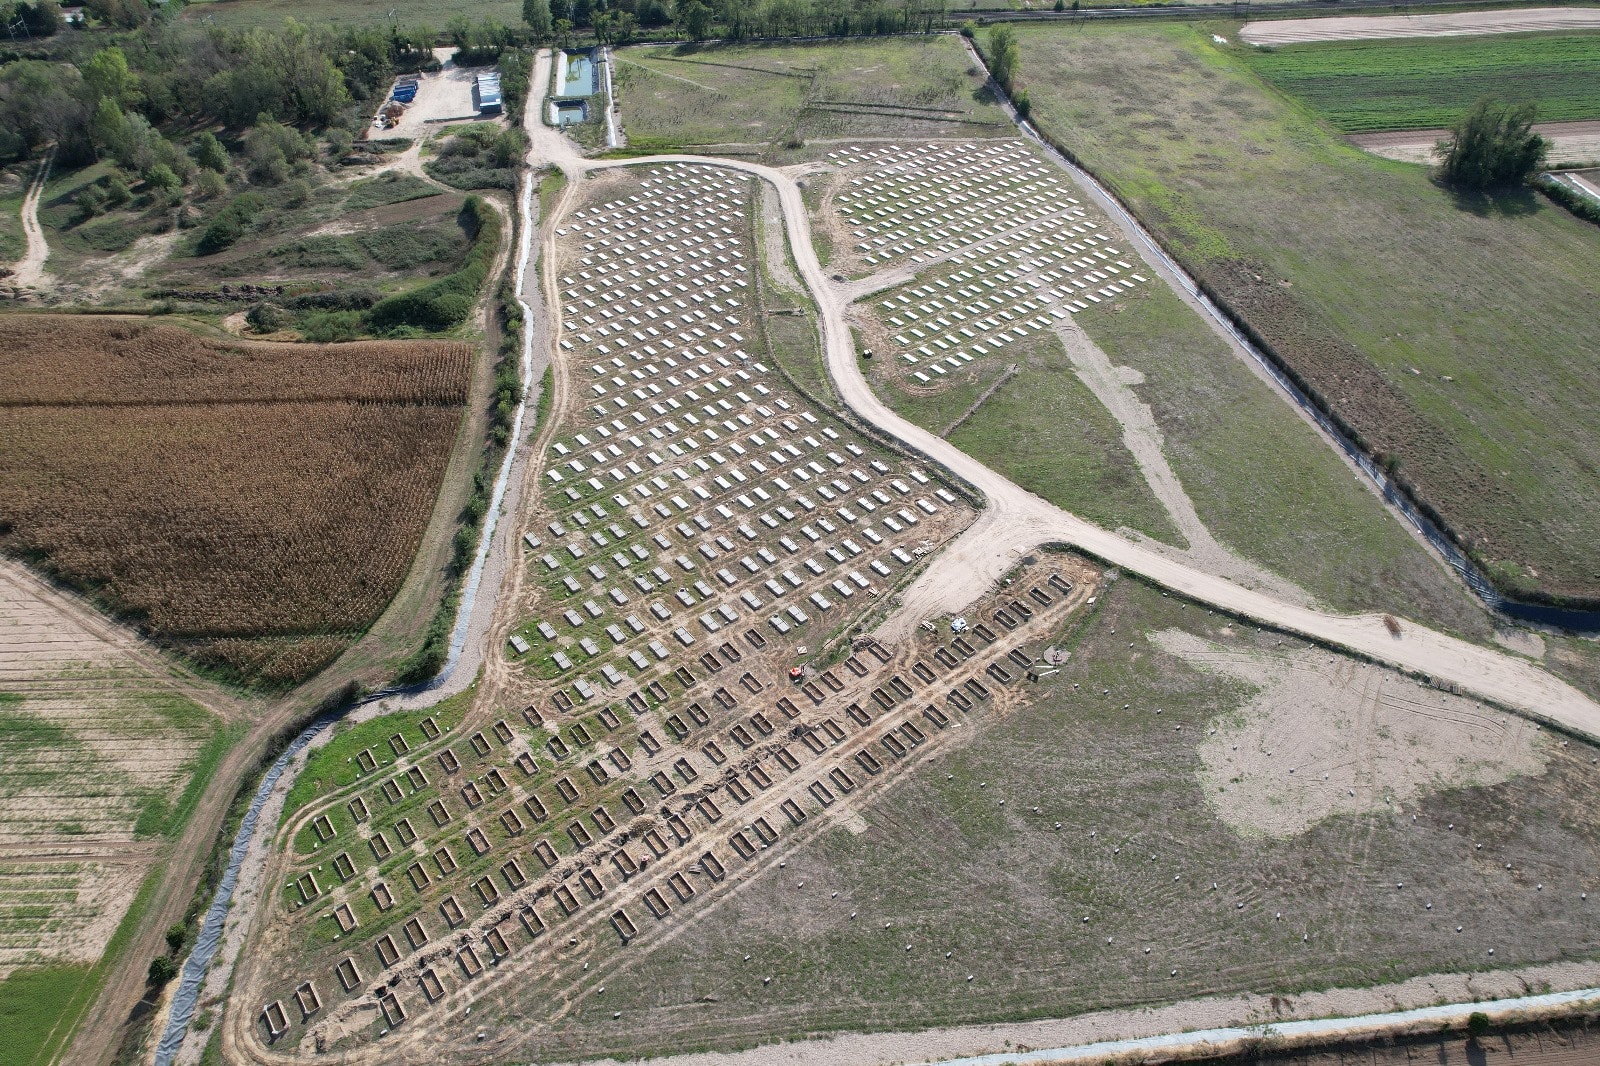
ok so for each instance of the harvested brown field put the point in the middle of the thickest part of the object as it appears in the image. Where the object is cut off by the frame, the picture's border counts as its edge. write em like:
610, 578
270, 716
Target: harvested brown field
253, 505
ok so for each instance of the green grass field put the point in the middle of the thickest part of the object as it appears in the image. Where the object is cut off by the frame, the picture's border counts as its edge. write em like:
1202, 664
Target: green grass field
31, 1003
1044, 430
784, 93
1397, 85
940, 865
1262, 480
1455, 334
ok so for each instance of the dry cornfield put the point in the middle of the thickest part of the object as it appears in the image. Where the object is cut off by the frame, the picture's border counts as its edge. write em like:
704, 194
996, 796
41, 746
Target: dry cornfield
256, 505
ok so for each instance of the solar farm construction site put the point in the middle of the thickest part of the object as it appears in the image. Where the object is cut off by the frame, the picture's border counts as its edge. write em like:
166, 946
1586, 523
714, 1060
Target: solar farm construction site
860, 594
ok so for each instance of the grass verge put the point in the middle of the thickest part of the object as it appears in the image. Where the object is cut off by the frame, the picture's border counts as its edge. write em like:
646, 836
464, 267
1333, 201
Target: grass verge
1452, 335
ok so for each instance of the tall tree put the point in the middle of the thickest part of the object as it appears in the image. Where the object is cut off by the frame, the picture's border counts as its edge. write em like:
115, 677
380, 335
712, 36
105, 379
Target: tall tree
1493, 146
536, 13
1003, 55
696, 20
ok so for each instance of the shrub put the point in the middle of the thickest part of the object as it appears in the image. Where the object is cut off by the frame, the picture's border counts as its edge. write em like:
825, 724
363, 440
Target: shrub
162, 179
210, 153
1493, 146
162, 970
337, 300
329, 327
266, 317
117, 191
90, 199
230, 223
211, 184
445, 303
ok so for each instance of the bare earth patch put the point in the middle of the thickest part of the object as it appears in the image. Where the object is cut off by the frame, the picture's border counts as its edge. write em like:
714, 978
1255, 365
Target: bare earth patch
1327, 735
1462, 24
1570, 142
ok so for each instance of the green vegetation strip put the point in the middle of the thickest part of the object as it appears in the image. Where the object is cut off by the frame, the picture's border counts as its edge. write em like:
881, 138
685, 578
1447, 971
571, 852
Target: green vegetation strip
1398, 85
446, 303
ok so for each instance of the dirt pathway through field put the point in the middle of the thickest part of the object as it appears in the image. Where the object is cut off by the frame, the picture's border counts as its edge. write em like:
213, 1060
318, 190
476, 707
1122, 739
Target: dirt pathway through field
29, 271
1570, 143
1113, 387
1460, 24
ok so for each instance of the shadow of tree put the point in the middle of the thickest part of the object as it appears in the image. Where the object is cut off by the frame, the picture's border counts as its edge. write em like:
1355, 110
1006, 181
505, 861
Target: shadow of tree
1511, 202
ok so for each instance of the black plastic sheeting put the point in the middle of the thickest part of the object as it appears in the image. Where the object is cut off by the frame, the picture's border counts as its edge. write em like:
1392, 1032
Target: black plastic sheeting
192, 978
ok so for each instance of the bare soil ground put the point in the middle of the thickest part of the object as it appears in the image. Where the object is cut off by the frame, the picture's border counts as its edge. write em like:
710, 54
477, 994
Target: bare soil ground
444, 94
1466, 23
1326, 735
1570, 142
91, 735
29, 272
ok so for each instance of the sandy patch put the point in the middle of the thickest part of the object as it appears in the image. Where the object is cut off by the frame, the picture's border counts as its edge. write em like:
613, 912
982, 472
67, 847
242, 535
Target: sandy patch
1462, 24
1521, 641
1328, 735
1570, 142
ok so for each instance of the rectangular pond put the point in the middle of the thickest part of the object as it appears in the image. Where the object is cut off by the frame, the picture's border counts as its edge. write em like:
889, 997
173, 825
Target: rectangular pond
576, 74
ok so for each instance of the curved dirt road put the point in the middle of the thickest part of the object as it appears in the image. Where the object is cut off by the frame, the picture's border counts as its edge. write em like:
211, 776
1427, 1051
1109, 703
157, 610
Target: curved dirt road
29, 271
1016, 522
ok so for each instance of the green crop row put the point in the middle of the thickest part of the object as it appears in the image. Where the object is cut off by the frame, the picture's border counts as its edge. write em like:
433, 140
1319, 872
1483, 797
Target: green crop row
1392, 85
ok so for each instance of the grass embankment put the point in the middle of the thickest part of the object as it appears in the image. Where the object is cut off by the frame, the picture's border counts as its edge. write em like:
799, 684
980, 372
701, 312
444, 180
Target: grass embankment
1454, 336
1043, 429
333, 766
1362, 86
1260, 477
940, 865
782, 94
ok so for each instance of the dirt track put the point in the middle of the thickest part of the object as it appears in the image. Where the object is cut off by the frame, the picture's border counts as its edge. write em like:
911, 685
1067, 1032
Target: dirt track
1464, 24
1570, 142
29, 271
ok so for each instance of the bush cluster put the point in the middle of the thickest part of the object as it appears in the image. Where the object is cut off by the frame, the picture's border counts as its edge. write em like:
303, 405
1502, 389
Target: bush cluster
444, 304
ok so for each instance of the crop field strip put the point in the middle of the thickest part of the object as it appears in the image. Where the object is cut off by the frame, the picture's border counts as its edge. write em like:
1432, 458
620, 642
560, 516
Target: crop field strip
1363, 86
95, 750
1039, 256
253, 505
603, 808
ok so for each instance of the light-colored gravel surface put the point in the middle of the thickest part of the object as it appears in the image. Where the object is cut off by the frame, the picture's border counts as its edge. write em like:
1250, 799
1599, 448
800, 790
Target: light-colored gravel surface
1461, 24
1570, 142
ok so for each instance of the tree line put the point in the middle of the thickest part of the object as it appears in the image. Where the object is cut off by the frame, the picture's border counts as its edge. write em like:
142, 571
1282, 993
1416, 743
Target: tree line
620, 21
95, 94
